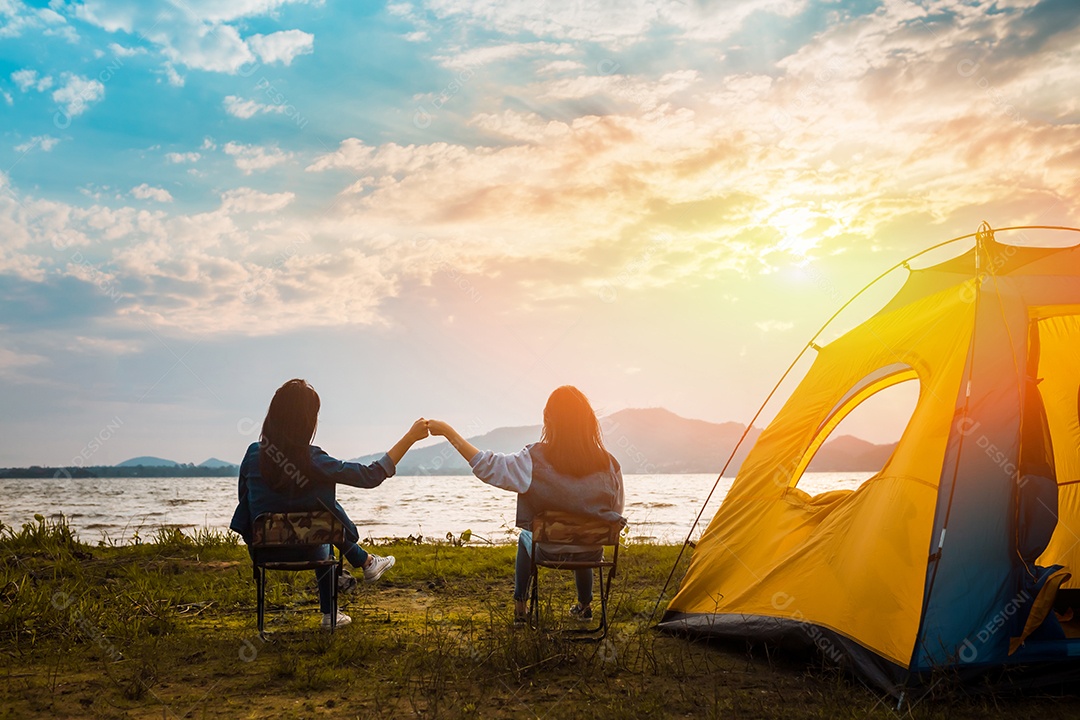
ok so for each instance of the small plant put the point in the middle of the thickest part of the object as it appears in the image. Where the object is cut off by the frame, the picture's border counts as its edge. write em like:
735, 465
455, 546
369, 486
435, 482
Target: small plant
461, 540
171, 537
53, 538
208, 538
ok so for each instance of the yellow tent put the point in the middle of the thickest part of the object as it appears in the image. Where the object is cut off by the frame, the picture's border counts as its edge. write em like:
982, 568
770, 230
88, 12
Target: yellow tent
952, 554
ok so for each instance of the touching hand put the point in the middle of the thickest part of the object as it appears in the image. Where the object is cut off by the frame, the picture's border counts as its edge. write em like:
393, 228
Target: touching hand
419, 430
438, 427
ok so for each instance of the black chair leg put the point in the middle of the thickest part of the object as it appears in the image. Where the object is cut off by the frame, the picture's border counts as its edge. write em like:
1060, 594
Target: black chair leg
261, 593
603, 604
333, 598
534, 598
533, 591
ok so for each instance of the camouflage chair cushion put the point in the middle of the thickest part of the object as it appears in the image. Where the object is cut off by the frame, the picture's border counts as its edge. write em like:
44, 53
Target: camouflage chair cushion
565, 528
315, 527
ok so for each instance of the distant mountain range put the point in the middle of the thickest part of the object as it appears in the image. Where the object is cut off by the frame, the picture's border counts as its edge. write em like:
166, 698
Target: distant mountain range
215, 463
652, 441
645, 441
151, 461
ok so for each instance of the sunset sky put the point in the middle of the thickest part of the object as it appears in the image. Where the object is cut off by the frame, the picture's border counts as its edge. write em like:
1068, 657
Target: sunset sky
449, 208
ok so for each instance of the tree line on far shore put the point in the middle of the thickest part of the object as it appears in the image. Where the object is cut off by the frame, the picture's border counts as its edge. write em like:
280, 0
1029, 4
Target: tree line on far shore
114, 471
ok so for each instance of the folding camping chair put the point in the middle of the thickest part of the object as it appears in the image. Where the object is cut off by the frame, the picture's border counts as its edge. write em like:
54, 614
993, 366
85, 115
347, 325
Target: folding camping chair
295, 530
553, 528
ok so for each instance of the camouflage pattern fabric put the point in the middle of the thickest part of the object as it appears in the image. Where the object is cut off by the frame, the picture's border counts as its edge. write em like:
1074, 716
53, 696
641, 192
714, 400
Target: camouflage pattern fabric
316, 527
564, 528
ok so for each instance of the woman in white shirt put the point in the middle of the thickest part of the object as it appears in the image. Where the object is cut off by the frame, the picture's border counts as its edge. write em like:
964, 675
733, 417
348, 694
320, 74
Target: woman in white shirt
568, 470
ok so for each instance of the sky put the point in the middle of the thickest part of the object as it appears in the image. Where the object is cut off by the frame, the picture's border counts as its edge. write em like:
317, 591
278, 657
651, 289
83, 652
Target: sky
449, 208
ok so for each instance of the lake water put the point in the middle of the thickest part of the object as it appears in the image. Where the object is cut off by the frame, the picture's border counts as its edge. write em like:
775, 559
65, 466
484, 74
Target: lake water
658, 507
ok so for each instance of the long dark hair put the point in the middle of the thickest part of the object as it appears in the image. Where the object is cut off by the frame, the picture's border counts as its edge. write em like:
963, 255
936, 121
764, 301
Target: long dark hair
287, 431
572, 439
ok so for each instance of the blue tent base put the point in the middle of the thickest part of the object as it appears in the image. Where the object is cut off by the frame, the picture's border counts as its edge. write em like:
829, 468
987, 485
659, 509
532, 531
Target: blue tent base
1050, 664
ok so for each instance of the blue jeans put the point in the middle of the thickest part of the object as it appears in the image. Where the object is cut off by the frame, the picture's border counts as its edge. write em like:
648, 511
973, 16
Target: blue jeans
583, 577
355, 554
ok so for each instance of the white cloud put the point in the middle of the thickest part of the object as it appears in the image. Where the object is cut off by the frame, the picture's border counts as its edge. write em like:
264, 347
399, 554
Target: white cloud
642, 92
103, 345
9, 359
876, 127
7, 97
238, 107
417, 36
45, 142
199, 34
247, 200
77, 93
175, 79
16, 17
207, 272
774, 325
391, 157
217, 48
128, 15
187, 33
614, 23
282, 46
528, 127
27, 79
178, 158
255, 157
559, 66
121, 51
147, 192
494, 53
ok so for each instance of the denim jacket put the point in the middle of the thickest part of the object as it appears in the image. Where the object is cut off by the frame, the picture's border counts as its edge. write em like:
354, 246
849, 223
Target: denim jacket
256, 497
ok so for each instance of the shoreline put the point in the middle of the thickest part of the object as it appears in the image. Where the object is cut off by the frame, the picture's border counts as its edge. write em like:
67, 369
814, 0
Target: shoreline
659, 509
167, 532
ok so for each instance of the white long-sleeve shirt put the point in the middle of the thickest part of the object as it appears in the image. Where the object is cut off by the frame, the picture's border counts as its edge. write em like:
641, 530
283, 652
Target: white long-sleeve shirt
514, 473
509, 472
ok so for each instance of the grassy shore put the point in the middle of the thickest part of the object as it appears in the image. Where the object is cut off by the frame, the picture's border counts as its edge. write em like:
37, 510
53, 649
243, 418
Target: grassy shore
166, 629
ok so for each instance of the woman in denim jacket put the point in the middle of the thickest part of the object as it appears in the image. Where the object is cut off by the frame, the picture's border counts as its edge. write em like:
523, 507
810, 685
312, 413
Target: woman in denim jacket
284, 472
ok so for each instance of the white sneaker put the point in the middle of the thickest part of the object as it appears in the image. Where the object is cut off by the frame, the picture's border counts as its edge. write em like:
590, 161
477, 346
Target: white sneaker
376, 566
342, 619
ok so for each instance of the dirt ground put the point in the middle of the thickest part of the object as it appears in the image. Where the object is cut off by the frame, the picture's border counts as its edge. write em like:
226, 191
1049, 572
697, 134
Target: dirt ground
167, 630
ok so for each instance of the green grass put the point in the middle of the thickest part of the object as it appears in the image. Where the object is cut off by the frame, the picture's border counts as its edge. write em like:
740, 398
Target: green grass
166, 628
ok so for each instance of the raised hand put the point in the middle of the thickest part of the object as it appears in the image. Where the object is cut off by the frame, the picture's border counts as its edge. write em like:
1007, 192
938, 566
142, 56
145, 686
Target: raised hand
438, 427
463, 446
419, 430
